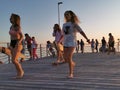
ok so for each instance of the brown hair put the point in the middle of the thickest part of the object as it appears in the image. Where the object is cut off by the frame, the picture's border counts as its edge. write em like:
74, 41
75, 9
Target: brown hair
74, 18
56, 28
16, 19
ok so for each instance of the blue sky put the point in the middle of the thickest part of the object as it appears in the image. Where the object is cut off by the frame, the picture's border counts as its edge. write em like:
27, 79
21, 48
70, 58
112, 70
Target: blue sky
98, 17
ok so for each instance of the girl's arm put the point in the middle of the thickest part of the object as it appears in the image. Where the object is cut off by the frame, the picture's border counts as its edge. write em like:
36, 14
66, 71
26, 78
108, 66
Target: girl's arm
82, 32
84, 35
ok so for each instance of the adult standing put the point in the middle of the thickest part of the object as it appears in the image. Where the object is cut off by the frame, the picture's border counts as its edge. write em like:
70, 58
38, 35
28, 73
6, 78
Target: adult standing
16, 38
103, 48
82, 46
28, 39
70, 29
96, 45
111, 43
77, 47
92, 45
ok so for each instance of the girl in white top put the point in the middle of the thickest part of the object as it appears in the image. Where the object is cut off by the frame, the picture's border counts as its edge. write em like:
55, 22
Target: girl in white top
70, 28
34, 48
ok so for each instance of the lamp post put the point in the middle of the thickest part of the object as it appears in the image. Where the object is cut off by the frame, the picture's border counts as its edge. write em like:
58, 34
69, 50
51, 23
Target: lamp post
59, 12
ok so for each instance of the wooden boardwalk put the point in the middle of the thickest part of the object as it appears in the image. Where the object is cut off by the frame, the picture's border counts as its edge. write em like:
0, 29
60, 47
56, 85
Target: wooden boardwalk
92, 72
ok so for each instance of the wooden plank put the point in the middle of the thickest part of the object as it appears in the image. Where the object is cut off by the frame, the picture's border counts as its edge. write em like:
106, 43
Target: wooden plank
95, 71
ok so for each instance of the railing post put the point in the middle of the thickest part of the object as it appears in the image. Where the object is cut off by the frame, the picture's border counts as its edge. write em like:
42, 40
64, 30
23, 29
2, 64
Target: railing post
46, 52
118, 44
40, 51
8, 56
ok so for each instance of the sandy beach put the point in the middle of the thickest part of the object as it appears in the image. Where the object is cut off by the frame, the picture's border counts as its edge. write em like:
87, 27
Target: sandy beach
93, 71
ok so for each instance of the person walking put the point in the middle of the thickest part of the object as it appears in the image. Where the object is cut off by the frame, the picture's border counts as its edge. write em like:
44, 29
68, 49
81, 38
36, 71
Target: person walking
70, 29
16, 38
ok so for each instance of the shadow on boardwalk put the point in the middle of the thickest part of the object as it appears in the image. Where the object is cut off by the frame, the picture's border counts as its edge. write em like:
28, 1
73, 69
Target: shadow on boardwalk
92, 72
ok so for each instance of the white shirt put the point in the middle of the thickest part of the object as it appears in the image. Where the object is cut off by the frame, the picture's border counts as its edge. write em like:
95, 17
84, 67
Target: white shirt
34, 44
69, 31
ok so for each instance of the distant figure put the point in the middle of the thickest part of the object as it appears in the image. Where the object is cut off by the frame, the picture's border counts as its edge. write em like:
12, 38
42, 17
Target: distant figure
70, 29
34, 48
78, 46
96, 45
23, 43
111, 43
118, 44
28, 39
104, 44
82, 46
23, 50
92, 45
7, 51
50, 48
16, 37
57, 33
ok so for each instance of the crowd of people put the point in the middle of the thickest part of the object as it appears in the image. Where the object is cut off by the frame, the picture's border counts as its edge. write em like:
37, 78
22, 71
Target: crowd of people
65, 43
103, 46
31, 46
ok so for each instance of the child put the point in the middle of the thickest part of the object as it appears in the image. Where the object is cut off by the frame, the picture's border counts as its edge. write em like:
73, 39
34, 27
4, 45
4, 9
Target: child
50, 48
34, 48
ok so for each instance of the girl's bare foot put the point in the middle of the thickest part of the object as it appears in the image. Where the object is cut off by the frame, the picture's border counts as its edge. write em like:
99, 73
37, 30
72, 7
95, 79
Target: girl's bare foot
70, 76
71, 73
58, 61
62, 60
22, 60
20, 75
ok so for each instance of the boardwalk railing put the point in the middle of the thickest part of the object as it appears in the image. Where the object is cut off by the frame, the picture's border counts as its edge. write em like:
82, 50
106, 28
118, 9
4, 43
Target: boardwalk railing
43, 52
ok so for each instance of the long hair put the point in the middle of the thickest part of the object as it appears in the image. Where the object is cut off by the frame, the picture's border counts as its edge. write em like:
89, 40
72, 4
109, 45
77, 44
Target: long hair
16, 19
56, 28
74, 18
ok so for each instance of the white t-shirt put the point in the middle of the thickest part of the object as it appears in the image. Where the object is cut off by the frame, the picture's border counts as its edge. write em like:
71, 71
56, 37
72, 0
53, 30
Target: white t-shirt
34, 44
69, 31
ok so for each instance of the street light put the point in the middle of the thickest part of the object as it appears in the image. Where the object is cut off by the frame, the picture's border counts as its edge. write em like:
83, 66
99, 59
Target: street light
59, 12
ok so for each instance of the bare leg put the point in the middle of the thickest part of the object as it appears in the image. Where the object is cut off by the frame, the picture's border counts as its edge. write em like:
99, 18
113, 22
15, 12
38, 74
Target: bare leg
5, 50
8, 52
68, 54
16, 52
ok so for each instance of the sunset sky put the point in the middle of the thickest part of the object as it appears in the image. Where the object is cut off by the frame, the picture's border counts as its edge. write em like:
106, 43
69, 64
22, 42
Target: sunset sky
98, 17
